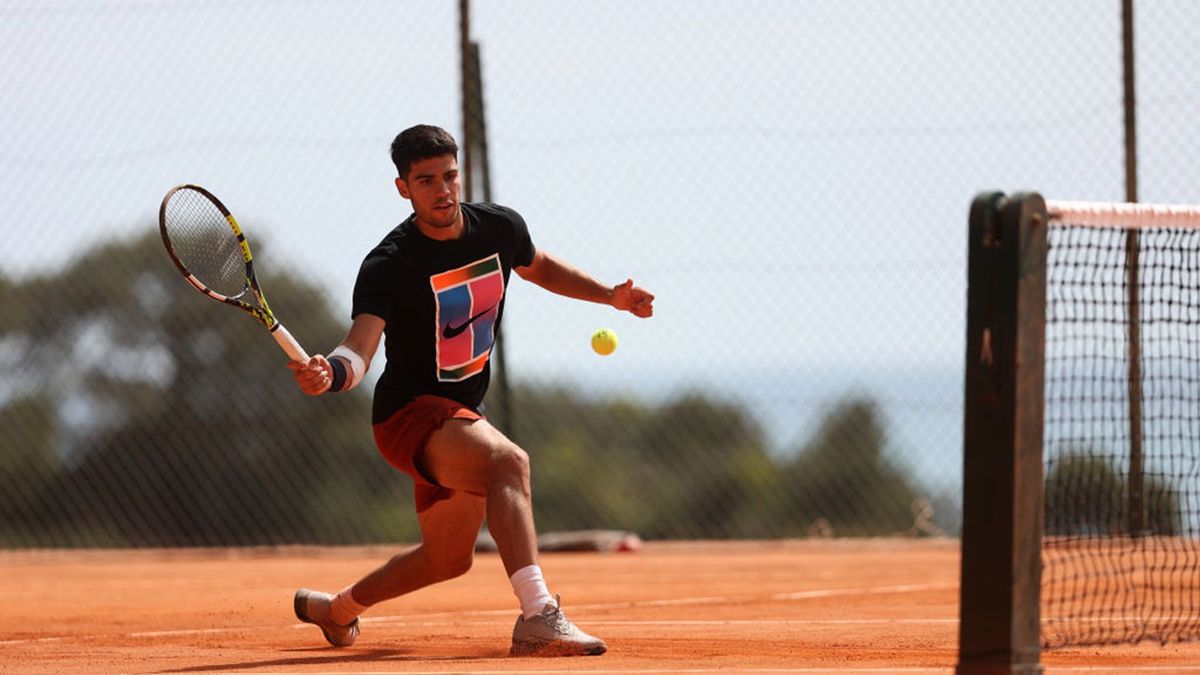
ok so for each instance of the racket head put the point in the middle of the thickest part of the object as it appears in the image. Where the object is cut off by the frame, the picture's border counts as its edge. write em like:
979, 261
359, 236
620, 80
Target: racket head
207, 246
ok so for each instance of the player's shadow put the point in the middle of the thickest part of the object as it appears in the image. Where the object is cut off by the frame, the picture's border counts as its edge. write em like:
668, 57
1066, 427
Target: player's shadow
318, 656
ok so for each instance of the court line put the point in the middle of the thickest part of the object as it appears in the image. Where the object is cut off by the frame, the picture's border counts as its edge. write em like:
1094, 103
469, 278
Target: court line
679, 602
1049, 669
425, 623
424, 619
874, 590
770, 622
700, 622
1163, 668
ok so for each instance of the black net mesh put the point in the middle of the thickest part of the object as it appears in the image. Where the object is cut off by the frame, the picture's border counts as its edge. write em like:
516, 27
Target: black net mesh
1121, 559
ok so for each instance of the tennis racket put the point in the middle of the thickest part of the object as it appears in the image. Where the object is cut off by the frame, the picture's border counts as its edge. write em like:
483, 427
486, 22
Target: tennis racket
207, 245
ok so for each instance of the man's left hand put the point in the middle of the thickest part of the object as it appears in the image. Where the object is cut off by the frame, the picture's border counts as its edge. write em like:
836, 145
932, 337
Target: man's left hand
633, 299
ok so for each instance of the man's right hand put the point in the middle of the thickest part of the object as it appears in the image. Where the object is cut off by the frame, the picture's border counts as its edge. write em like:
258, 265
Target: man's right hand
314, 376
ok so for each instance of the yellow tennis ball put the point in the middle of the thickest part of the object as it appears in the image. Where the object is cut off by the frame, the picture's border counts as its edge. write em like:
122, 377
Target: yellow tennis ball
604, 341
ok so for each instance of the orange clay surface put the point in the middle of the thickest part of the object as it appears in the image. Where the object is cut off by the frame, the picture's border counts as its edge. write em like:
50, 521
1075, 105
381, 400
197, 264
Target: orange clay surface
806, 607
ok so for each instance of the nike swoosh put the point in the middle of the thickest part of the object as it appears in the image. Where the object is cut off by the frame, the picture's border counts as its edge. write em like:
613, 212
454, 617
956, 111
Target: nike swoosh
452, 331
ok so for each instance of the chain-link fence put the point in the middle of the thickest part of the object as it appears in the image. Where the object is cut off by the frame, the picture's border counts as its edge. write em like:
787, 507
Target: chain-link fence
790, 179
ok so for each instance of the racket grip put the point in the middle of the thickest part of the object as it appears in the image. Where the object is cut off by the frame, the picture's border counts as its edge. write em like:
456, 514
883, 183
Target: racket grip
288, 343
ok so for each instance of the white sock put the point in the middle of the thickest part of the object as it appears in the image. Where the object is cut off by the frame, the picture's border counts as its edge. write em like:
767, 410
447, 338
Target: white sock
531, 590
344, 609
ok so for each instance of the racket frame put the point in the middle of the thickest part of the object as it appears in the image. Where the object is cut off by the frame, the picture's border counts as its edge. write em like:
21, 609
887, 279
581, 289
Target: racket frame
263, 311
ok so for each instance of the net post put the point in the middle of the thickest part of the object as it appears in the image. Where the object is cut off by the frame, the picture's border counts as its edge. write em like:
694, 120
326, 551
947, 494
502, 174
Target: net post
1002, 436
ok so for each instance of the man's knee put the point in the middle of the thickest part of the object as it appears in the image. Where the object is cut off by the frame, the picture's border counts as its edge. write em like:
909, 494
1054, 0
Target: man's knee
443, 563
510, 464
456, 565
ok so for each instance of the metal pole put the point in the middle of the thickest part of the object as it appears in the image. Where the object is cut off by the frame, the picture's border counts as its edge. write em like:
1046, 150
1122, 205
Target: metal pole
464, 46
485, 176
479, 119
1136, 469
1131, 187
474, 138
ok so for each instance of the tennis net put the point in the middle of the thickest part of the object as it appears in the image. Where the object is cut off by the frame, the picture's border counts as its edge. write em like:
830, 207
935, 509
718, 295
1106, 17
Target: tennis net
1121, 448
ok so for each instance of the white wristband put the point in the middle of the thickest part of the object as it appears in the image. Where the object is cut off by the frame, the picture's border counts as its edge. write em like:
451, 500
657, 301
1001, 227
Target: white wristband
358, 367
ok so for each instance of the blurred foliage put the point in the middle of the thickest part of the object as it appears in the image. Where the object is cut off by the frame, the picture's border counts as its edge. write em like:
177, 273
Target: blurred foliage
1085, 494
697, 468
138, 413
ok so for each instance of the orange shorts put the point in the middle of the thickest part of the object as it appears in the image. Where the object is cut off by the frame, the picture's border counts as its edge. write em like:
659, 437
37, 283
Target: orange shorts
404, 434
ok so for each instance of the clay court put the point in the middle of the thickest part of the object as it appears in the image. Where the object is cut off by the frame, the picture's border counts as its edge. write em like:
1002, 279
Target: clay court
836, 606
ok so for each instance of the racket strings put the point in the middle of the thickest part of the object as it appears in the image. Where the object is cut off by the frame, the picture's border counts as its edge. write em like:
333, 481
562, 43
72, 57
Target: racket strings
205, 243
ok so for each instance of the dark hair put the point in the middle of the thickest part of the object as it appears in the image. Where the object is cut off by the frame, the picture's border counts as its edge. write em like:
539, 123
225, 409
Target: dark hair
420, 142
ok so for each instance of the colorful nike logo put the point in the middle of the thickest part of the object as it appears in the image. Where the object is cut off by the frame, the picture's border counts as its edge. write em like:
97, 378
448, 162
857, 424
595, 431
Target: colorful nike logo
452, 331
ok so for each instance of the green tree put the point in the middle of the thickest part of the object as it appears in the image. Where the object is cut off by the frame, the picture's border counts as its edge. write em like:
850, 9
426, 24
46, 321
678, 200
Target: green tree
1085, 494
27, 470
148, 415
136, 412
708, 460
688, 469
841, 483
698, 468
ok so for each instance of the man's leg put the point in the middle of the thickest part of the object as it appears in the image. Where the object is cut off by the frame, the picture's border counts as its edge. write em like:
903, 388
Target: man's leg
488, 474
449, 528
474, 457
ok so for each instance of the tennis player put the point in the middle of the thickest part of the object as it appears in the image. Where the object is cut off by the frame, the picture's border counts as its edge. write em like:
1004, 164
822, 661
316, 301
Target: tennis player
435, 286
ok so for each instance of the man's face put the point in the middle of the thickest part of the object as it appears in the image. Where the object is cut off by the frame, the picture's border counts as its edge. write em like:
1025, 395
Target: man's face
432, 185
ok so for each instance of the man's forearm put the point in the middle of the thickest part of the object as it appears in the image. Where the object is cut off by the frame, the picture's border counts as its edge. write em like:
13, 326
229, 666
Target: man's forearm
567, 280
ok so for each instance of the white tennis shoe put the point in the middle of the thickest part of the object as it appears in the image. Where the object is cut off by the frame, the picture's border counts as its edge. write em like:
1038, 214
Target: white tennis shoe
313, 607
551, 634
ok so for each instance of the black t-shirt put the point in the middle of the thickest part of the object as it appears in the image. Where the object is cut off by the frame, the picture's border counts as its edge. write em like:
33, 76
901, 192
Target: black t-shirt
442, 302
